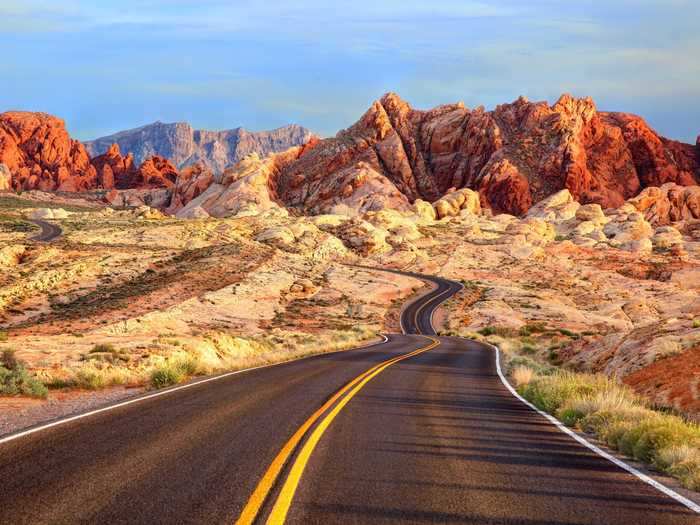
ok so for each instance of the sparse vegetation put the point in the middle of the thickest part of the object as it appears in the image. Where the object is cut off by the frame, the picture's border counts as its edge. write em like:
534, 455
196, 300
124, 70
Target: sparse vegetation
103, 348
500, 331
16, 380
599, 405
166, 375
522, 375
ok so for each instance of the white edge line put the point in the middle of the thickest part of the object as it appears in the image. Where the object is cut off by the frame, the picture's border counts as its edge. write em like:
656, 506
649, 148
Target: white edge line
63, 421
646, 479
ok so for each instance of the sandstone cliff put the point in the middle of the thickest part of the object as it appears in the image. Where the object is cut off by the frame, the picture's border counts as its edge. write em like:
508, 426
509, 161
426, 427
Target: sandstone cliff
184, 146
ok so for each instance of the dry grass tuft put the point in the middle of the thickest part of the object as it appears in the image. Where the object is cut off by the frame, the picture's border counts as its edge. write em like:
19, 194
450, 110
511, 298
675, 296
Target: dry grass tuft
522, 375
616, 415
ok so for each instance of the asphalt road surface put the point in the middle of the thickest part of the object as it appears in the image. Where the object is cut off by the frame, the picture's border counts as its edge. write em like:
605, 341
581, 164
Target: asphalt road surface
49, 231
418, 429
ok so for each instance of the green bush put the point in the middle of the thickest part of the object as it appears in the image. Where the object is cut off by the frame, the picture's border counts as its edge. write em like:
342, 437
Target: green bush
501, 331
619, 417
166, 375
103, 348
16, 380
533, 328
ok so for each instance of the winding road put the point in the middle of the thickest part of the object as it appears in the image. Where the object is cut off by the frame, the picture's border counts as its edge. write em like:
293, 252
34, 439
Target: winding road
48, 233
416, 429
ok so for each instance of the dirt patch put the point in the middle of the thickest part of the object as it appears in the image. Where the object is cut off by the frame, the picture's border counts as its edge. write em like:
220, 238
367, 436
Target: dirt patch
673, 381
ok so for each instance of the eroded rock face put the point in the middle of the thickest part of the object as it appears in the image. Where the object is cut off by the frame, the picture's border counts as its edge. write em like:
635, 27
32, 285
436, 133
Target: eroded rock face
513, 156
247, 187
669, 203
190, 184
39, 154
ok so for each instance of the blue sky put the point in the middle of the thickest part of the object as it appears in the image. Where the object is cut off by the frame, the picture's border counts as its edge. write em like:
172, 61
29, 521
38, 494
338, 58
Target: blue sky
106, 66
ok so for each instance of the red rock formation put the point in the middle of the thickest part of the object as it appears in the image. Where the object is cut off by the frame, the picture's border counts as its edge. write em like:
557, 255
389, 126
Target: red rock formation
155, 172
113, 170
515, 155
117, 171
191, 183
39, 154
668, 204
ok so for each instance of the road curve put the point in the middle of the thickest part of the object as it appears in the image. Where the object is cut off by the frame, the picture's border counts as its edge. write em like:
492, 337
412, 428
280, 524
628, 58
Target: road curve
418, 429
48, 233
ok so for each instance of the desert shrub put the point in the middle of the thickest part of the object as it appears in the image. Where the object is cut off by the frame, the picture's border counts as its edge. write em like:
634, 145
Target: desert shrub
94, 377
166, 374
16, 380
3, 336
501, 331
683, 462
568, 333
528, 349
103, 348
9, 360
538, 368
533, 328
597, 404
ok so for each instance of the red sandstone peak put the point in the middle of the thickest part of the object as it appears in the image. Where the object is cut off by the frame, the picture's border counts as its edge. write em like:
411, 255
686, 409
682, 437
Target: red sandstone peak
514, 156
39, 153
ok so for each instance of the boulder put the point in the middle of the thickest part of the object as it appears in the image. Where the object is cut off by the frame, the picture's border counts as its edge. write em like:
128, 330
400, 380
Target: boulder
688, 278
454, 202
665, 237
558, 207
363, 236
627, 228
277, 235
668, 203
592, 213
197, 212
424, 210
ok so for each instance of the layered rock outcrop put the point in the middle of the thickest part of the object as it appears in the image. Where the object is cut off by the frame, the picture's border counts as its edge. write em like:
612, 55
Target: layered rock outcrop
513, 156
247, 187
185, 146
669, 203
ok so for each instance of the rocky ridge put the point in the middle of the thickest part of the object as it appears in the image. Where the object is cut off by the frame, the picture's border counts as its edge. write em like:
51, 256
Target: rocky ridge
184, 146
513, 156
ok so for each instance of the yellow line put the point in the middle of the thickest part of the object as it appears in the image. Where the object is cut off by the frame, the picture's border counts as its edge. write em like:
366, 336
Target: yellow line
255, 503
284, 500
423, 307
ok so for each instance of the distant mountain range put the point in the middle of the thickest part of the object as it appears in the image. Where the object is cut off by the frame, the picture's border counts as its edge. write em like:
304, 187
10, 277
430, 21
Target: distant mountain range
184, 145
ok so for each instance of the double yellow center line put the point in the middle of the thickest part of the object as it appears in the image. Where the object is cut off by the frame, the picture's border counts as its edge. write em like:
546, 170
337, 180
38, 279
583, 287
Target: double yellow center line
286, 495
